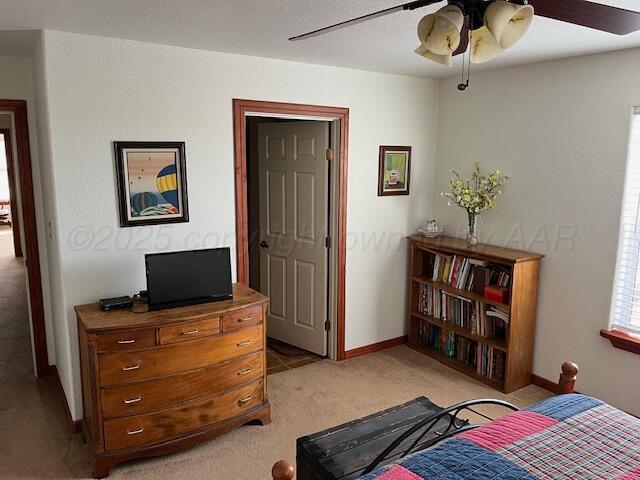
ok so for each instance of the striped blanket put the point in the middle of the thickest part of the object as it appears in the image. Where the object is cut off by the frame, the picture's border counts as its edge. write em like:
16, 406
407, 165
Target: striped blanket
564, 437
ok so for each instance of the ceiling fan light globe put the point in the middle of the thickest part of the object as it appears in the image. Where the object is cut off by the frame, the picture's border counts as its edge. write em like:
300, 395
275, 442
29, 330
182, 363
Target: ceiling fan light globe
440, 31
508, 21
446, 60
484, 46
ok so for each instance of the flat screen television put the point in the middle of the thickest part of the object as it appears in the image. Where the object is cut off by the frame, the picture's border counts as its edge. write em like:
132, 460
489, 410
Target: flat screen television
176, 279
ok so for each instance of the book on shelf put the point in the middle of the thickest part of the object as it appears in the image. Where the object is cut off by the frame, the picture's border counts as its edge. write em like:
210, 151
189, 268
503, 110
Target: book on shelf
500, 276
481, 279
460, 348
490, 362
431, 336
495, 324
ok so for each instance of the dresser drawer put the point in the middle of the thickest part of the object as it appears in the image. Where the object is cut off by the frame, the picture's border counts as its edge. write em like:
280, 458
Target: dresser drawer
126, 340
242, 318
174, 422
189, 330
166, 392
126, 367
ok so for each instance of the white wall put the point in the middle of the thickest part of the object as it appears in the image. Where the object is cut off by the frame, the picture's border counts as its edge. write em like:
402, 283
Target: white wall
16, 84
100, 90
561, 129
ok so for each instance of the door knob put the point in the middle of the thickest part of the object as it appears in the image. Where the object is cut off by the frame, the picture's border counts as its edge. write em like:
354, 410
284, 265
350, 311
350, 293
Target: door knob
264, 244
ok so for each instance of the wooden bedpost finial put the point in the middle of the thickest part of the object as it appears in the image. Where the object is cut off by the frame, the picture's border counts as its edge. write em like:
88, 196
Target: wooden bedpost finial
567, 378
282, 470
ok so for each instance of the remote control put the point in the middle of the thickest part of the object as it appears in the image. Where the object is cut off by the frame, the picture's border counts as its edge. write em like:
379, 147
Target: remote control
107, 304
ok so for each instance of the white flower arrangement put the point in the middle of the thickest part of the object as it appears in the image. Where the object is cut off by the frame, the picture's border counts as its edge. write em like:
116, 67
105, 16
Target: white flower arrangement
475, 194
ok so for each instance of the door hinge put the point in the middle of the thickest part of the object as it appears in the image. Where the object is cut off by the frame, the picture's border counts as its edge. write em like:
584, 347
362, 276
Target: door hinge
329, 154
327, 326
327, 242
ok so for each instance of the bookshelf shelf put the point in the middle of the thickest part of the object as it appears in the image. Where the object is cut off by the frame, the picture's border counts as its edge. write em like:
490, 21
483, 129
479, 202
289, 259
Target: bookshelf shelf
461, 293
459, 366
497, 343
502, 363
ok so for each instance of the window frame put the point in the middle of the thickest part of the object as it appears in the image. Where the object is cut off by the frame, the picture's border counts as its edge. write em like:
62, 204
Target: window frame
618, 332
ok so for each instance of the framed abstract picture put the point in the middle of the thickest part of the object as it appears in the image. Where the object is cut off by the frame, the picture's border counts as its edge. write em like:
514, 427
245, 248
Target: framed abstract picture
152, 183
394, 171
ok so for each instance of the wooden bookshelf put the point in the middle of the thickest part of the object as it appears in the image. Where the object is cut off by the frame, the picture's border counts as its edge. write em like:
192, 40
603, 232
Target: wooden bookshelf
517, 346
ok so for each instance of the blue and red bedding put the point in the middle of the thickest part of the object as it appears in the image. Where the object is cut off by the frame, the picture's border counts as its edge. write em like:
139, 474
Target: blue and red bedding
564, 437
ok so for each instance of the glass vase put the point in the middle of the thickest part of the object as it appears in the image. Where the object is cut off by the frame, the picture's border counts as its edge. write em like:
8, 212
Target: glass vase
472, 229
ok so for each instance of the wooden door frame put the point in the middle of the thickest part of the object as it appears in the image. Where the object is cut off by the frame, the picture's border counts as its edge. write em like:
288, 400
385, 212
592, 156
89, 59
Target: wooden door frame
29, 225
15, 216
243, 108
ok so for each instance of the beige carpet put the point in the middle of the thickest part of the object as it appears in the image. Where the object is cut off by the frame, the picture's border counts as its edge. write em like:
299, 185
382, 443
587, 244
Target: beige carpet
34, 442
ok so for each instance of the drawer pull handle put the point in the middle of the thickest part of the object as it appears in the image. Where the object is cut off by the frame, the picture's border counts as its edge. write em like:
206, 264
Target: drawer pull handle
129, 401
245, 372
190, 332
132, 367
245, 399
244, 343
245, 319
126, 342
135, 432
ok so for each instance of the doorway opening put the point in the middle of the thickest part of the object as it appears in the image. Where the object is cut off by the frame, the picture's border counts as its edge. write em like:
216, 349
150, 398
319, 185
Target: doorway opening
18, 238
9, 216
290, 223
289, 197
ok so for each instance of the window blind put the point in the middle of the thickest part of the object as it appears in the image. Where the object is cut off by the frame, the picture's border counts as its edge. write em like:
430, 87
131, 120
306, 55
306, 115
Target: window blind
626, 297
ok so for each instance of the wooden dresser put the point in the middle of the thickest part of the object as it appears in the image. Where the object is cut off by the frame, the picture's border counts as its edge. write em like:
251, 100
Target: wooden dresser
158, 382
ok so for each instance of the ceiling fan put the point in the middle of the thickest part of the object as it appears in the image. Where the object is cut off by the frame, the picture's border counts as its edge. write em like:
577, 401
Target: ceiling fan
490, 26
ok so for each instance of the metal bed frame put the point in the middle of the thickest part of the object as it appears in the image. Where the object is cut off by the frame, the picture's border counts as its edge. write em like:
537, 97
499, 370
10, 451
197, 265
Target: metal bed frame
283, 470
430, 425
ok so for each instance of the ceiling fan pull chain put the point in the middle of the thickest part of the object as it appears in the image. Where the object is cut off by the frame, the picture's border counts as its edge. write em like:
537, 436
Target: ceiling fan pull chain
466, 58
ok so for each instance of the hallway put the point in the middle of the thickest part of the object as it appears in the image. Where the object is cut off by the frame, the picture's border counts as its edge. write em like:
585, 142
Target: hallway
33, 431
15, 353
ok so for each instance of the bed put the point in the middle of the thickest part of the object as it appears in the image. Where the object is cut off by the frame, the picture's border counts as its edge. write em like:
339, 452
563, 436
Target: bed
569, 436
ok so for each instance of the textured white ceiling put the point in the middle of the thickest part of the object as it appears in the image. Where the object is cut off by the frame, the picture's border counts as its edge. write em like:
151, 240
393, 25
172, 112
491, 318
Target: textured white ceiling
261, 28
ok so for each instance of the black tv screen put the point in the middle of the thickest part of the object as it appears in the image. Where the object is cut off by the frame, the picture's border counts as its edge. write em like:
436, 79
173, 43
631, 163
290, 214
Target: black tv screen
186, 278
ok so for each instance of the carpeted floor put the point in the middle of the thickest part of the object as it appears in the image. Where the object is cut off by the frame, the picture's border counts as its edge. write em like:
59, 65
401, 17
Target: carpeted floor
35, 443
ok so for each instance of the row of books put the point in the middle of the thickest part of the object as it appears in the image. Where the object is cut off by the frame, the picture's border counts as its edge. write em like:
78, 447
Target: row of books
446, 306
455, 270
499, 277
495, 324
430, 335
463, 312
460, 348
447, 343
467, 273
490, 362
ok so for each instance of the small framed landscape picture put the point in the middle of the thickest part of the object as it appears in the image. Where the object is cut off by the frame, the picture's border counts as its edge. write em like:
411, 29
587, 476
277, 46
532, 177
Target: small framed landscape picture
394, 171
152, 183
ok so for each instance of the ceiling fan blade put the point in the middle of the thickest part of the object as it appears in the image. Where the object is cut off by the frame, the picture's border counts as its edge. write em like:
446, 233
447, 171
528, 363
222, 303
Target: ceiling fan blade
365, 18
464, 38
588, 14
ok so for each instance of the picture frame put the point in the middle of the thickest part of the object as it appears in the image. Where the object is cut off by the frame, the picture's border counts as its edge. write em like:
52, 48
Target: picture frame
152, 183
394, 171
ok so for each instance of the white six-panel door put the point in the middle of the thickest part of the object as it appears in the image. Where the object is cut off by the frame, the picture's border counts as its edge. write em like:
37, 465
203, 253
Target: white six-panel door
293, 174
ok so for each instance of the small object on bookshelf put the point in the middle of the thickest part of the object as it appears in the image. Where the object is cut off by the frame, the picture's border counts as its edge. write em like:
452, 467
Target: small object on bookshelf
431, 229
481, 278
453, 321
496, 294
